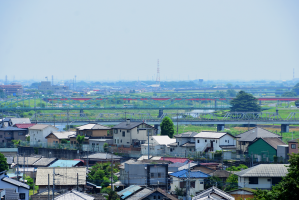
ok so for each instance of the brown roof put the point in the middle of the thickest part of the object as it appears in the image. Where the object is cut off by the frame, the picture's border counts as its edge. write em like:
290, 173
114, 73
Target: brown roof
204, 169
294, 140
274, 142
160, 191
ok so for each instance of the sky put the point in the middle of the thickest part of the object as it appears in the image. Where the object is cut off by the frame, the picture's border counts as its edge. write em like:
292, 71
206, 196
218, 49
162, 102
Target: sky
122, 40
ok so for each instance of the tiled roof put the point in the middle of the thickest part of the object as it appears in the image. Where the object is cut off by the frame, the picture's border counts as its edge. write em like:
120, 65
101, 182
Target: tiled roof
15, 182
257, 132
265, 170
27, 160
186, 134
24, 125
11, 128
192, 174
161, 192
274, 142
175, 160
63, 135
67, 175
65, 163
221, 173
93, 127
74, 195
101, 156
44, 162
213, 190
129, 126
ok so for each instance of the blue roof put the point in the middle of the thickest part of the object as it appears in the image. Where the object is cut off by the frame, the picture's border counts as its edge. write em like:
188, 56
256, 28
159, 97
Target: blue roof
65, 163
193, 174
11, 128
128, 191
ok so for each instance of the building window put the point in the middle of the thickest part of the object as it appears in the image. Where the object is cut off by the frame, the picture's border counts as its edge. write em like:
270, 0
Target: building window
228, 141
253, 180
197, 141
192, 184
205, 140
158, 197
154, 197
124, 134
128, 131
293, 146
115, 141
159, 175
121, 141
183, 184
225, 140
120, 131
20, 133
152, 175
1, 136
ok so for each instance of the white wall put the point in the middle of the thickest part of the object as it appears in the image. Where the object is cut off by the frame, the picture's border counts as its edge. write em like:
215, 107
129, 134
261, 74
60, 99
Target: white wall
263, 183
4, 185
225, 140
39, 136
193, 191
229, 140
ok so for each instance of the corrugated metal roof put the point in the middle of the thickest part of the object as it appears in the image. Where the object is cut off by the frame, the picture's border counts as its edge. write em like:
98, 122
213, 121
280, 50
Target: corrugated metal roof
11, 128
65, 163
210, 134
44, 162
192, 174
74, 195
128, 191
139, 194
15, 182
213, 190
163, 139
265, 170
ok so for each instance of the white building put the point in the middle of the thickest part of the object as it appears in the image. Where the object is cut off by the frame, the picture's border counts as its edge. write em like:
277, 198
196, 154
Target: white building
213, 193
213, 141
183, 146
132, 133
262, 176
157, 145
39, 132
196, 181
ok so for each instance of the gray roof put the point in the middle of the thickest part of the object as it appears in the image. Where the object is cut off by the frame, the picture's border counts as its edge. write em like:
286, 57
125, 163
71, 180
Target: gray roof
15, 182
186, 134
213, 190
104, 156
265, 170
11, 128
44, 162
41, 126
129, 126
294, 140
139, 194
93, 127
28, 160
67, 175
20, 121
74, 195
63, 135
186, 166
274, 142
257, 132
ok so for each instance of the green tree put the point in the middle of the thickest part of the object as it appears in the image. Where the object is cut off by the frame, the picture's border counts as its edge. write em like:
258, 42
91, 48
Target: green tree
231, 93
16, 142
63, 141
80, 139
244, 102
29, 181
167, 127
28, 138
231, 182
3, 163
229, 85
105, 146
213, 181
289, 94
286, 189
296, 88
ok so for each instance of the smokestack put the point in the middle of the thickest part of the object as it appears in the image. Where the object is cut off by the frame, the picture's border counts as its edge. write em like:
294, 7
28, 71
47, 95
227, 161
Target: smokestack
128, 121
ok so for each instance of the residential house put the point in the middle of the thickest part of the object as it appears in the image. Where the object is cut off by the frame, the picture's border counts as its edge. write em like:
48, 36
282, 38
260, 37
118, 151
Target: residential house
144, 174
248, 137
135, 192
94, 131
213, 193
66, 180
9, 133
174, 167
13, 189
242, 193
39, 132
24, 126
222, 174
127, 192
293, 146
12, 121
283, 153
58, 137
92, 159
196, 181
262, 176
67, 163
158, 193
157, 145
183, 146
264, 149
214, 141
74, 195
134, 134
9, 151
97, 145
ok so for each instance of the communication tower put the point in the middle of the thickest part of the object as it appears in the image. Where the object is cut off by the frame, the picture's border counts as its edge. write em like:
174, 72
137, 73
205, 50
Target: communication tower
158, 74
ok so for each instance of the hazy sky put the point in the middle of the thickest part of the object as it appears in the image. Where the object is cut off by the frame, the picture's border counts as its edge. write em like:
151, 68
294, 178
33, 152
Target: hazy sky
122, 39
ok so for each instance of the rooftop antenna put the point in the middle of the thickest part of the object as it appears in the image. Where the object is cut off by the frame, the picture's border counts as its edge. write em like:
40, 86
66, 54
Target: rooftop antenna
158, 74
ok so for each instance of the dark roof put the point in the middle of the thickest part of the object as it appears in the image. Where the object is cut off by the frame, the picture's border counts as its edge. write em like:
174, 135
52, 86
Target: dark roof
187, 134
15, 182
221, 173
294, 140
274, 142
11, 128
161, 192
251, 135
131, 125
44, 162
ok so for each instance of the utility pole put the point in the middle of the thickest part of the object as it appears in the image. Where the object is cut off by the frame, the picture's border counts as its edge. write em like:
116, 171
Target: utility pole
112, 171
48, 186
77, 183
188, 183
177, 122
53, 183
17, 166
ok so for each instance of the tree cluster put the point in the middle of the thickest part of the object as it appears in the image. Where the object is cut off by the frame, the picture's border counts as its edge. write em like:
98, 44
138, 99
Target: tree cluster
245, 102
167, 127
100, 174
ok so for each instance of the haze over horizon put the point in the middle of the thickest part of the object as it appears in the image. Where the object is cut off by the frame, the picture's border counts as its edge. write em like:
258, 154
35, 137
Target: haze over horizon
122, 40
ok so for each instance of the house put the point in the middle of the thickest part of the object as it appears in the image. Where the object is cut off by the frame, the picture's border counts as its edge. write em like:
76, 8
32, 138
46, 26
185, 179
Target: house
158, 193
248, 137
14, 189
196, 181
65, 178
264, 149
174, 167
293, 146
74, 195
9, 151
97, 145
262, 176
134, 134
213, 193
94, 131
157, 145
9, 133
67, 163
135, 192
222, 174
12, 121
183, 146
24, 126
58, 137
144, 174
214, 141
39, 132
92, 159
242, 193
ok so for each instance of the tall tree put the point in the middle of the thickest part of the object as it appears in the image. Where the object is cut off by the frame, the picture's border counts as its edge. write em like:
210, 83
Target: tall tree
167, 127
245, 102
3, 163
